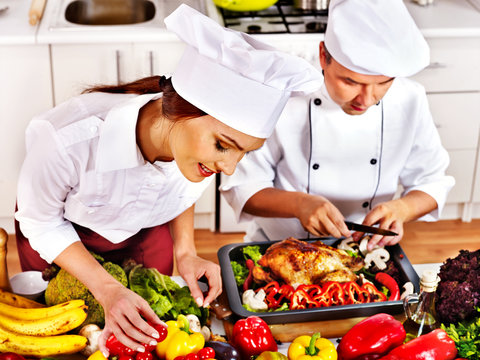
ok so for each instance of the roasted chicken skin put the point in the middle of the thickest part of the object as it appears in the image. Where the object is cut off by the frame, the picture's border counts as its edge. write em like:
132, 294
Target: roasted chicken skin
296, 262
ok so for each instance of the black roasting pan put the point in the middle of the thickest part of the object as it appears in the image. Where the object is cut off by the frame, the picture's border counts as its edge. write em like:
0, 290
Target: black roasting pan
232, 252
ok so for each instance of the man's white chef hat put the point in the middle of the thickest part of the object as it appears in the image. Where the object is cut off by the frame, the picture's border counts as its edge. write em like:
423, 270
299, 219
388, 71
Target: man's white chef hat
233, 77
375, 37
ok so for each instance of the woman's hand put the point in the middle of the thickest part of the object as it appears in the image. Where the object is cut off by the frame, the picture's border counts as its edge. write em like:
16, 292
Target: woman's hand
124, 310
320, 217
192, 268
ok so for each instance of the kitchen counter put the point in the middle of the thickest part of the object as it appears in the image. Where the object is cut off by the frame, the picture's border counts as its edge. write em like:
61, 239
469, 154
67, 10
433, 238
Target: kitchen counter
447, 18
14, 26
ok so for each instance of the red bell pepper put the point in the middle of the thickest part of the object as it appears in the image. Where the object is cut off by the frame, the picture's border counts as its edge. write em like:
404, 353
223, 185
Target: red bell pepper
335, 292
435, 345
390, 284
371, 338
375, 294
354, 294
252, 336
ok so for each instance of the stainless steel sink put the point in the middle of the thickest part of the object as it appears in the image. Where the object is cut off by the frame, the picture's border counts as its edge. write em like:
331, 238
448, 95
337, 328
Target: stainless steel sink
111, 15
109, 12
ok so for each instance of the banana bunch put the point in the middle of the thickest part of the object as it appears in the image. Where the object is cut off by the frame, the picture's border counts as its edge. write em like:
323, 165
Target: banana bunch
40, 331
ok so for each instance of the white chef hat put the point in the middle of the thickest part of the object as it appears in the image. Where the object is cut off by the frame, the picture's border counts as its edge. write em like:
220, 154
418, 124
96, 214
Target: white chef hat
233, 77
375, 37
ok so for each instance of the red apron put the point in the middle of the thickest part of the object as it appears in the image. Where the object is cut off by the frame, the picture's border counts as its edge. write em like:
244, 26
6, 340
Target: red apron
152, 247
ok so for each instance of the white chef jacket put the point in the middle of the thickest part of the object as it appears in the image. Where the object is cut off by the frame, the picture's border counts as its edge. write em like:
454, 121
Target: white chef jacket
354, 161
83, 165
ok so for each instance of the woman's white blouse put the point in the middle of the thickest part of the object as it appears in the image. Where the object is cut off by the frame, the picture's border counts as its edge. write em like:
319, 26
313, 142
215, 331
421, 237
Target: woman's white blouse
83, 166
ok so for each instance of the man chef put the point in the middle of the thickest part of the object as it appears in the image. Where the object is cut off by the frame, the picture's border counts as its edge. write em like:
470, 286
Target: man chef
341, 153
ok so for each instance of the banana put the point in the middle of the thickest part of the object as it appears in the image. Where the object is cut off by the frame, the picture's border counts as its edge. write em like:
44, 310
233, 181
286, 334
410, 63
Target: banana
38, 313
40, 346
52, 325
18, 301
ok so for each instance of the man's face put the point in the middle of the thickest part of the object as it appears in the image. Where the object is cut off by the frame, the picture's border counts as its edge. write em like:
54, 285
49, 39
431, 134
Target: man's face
352, 91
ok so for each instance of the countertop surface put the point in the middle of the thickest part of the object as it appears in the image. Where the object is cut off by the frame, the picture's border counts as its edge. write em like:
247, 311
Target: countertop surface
443, 18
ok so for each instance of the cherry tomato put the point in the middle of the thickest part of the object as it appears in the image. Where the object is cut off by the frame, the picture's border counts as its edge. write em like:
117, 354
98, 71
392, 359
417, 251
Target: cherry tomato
162, 331
11, 356
191, 356
206, 353
125, 357
144, 356
148, 347
115, 347
179, 358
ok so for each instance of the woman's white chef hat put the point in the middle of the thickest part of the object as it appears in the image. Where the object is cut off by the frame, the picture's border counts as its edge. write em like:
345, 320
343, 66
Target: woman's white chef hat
375, 37
233, 77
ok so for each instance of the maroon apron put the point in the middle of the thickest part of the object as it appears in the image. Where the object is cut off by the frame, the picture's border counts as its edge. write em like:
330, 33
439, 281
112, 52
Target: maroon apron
152, 247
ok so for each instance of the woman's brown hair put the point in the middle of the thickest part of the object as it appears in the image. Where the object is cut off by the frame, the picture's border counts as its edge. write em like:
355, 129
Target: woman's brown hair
174, 107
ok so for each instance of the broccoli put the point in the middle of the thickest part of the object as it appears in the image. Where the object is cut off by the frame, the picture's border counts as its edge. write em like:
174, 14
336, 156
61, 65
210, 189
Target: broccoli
64, 287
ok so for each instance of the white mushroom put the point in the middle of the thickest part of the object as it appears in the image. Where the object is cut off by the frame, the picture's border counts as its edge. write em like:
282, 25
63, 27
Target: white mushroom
255, 301
378, 256
347, 244
91, 332
194, 323
363, 279
205, 331
363, 245
408, 289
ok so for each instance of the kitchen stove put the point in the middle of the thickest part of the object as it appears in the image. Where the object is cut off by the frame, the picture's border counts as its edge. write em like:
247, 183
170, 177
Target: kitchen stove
281, 18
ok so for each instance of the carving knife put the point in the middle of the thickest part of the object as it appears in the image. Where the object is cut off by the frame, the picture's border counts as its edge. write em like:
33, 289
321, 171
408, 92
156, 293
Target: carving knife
369, 229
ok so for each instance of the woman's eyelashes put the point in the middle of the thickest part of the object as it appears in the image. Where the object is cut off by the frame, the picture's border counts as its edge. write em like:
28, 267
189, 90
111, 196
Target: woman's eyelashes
220, 147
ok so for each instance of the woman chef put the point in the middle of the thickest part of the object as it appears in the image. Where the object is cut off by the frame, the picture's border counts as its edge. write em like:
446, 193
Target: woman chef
342, 152
117, 170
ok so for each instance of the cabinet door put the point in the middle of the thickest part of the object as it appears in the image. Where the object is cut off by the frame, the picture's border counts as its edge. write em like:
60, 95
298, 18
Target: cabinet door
157, 59
462, 168
457, 119
25, 91
78, 66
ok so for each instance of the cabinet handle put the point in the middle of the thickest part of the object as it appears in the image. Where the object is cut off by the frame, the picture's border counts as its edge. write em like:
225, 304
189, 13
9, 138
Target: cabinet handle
150, 56
117, 64
436, 65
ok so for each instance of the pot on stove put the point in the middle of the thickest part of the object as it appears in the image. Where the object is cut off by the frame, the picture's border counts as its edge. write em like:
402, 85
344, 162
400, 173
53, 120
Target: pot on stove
311, 4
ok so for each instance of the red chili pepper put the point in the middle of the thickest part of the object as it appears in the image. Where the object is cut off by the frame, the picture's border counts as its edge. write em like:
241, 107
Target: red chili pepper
375, 294
390, 284
371, 338
248, 281
354, 294
252, 336
434, 345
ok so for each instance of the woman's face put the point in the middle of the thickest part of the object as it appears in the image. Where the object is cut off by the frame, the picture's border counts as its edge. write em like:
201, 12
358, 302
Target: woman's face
204, 146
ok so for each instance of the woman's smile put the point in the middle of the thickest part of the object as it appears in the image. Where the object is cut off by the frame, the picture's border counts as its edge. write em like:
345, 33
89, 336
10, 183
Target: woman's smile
205, 171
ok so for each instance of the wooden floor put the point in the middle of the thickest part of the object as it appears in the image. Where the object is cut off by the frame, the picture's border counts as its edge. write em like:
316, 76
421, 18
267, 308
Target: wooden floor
423, 242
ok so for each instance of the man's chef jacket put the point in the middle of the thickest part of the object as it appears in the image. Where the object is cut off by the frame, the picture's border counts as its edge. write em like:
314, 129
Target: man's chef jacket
83, 166
356, 162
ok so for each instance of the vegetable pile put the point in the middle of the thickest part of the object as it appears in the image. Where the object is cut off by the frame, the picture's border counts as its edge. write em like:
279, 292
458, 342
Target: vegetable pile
458, 293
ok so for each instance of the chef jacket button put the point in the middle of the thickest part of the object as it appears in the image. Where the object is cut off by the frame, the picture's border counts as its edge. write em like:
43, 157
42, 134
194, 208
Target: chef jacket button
365, 204
317, 101
315, 166
373, 161
91, 211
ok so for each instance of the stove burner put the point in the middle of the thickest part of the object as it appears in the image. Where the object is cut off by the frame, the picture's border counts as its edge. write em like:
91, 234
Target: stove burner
315, 27
254, 29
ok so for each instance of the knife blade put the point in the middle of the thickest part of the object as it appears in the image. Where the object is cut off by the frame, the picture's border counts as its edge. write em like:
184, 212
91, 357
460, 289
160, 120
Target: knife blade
369, 229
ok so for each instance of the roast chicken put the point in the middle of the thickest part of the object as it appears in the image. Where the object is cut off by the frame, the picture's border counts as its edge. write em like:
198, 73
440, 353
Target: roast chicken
296, 262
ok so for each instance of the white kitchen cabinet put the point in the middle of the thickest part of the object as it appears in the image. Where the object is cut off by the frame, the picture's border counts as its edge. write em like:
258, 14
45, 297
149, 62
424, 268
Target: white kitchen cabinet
76, 67
25, 91
452, 82
156, 58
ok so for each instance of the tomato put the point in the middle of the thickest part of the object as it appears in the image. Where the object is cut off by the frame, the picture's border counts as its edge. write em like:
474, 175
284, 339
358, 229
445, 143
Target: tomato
115, 347
206, 353
125, 357
144, 356
191, 356
161, 329
11, 356
148, 347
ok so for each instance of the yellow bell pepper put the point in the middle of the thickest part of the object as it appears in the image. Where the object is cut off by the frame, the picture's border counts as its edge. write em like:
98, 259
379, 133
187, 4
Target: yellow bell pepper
97, 355
312, 348
180, 341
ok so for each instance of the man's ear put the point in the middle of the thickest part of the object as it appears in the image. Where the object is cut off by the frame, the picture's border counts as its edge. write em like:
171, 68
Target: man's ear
321, 53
